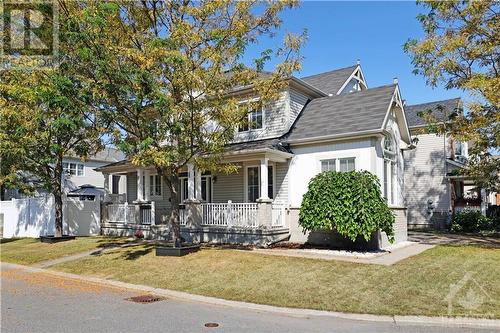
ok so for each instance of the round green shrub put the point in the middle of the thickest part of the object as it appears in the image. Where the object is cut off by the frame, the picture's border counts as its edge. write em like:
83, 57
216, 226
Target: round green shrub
347, 202
470, 220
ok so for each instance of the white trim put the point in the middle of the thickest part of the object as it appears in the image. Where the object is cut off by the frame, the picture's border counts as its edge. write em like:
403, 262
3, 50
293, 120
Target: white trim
263, 112
339, 156
337, 137
245, 179
354, 75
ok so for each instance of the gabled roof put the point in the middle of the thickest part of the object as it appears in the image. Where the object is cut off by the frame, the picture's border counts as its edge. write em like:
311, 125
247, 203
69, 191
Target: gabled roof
440, 109
343, 115
106, 155
330, 82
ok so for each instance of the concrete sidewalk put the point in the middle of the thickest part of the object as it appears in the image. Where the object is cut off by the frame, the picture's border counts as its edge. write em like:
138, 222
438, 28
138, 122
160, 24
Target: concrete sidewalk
293, 312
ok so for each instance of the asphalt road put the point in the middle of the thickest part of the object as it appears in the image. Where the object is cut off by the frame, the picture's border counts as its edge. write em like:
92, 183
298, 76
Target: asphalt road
39, 302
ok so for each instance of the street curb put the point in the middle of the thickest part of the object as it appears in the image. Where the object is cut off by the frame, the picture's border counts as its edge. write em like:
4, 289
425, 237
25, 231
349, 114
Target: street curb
294, 312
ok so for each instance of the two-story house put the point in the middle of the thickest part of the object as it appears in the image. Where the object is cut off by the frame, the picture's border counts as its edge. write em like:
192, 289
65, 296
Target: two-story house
434, 186
329, 121
78, 173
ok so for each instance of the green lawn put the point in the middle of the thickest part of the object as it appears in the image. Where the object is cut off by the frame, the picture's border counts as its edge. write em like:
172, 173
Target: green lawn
30, 250
416, 286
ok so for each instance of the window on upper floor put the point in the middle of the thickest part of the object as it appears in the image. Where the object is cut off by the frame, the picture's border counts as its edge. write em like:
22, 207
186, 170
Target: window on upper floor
254, 120
73, 169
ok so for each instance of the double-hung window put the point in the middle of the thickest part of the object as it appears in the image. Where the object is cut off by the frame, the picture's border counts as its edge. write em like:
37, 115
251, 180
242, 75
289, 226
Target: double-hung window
73, 169
155, 185
253, 121
253, 183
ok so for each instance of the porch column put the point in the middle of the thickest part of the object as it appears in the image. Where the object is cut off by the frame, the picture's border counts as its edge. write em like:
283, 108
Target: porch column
264, 179
106, 182
140, 184
484, 202
190, 182
147, 185
198, 184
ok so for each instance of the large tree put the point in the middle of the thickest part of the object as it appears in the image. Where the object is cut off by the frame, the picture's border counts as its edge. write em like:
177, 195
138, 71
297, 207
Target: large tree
461, 50
164, 71
45, 116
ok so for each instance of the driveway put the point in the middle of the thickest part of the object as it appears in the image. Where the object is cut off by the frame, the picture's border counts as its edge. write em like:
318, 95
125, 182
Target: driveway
40, 302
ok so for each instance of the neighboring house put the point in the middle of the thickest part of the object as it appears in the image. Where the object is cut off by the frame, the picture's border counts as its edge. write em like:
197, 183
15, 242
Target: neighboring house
434, 187
78, 173
329, 121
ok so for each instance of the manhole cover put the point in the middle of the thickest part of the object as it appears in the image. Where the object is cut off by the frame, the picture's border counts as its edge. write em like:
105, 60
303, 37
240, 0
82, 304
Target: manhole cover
211, 325
145, 299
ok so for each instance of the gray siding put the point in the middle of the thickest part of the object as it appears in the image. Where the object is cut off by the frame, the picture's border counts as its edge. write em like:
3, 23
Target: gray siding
424, 180
229, 187
297, 102
131, 187
274, 122
281, 183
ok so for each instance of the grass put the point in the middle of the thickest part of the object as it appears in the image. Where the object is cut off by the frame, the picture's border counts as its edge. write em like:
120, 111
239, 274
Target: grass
28, 251
415, 286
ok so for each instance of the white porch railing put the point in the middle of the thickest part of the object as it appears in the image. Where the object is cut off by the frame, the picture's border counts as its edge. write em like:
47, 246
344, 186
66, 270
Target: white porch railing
230, 214
278, 216
183, 215
130, 213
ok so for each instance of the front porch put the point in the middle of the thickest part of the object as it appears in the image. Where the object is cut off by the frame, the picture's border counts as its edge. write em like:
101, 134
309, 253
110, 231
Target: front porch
248, 206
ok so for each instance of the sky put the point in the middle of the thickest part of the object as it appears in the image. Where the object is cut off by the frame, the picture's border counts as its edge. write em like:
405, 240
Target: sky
339, 33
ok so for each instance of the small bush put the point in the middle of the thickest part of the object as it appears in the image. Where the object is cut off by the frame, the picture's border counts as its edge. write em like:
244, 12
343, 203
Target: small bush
347, 202
139, 234
472, 221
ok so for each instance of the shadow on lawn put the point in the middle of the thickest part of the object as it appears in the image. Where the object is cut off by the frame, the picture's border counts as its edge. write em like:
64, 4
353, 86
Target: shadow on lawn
9, 240
135, 253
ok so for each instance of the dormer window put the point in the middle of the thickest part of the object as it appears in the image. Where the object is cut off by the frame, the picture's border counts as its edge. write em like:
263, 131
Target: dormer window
254, 121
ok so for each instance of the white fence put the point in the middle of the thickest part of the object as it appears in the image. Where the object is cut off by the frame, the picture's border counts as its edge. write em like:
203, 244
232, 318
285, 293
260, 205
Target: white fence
278, 216
34, 217
230, 214
130, 213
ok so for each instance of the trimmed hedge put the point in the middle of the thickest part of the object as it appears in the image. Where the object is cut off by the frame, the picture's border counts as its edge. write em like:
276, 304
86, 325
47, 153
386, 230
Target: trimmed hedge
347, 202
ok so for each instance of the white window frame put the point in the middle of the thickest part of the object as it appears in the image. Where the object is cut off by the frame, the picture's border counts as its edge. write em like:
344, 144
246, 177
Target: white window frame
249, 118
67, 169
245, 179
337, 159
208, 179
152, 186
183, 193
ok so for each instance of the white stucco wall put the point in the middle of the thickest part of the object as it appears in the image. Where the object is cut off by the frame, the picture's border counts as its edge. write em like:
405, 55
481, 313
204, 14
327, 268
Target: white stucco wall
307, 163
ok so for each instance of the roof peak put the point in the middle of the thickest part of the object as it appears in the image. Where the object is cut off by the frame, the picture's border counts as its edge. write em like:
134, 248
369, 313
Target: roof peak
332, 71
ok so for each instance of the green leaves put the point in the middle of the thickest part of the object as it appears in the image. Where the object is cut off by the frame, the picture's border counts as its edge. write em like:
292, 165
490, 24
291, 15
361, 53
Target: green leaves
347, 202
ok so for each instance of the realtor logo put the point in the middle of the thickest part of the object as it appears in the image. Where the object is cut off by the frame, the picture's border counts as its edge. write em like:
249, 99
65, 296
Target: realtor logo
29, 33
467, 293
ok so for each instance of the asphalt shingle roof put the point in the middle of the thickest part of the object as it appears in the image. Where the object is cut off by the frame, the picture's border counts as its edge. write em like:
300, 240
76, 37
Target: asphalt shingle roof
342, 114
440, 109
330, 82
274, 143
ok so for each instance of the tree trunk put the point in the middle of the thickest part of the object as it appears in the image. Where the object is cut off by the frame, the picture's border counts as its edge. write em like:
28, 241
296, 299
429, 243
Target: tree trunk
173, 182
57, 192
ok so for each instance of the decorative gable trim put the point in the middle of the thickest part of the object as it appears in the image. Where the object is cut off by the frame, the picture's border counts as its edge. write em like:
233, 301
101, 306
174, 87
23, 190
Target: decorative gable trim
358, 75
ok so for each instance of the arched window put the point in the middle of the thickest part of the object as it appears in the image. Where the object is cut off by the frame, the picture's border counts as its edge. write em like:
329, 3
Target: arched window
390, 168
389, 146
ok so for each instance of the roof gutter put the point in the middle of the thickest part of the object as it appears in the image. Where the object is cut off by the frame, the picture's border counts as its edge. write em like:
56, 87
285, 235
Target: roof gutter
336, 137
